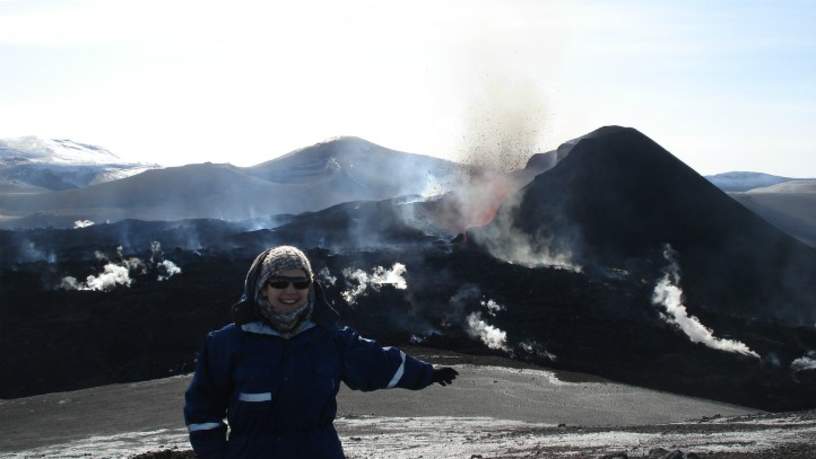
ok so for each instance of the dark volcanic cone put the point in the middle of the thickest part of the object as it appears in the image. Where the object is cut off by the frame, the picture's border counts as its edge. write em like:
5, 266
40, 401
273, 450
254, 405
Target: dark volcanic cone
616, 198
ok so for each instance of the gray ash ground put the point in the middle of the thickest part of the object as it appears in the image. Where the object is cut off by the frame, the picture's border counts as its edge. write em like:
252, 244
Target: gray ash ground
497, 408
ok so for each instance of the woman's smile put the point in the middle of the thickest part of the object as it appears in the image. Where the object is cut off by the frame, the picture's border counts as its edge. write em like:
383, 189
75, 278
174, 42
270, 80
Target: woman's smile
282, 291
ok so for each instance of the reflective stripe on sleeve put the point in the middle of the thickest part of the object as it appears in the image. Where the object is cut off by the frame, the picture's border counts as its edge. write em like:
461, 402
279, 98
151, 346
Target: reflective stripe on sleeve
203, 426
398, 374
255, 397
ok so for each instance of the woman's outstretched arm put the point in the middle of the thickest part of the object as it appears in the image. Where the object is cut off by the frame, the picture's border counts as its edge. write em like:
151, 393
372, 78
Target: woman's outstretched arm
368, 366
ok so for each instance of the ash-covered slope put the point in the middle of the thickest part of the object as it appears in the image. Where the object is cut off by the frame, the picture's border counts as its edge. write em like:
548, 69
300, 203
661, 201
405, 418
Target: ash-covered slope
618, 198
313, 178
31, 164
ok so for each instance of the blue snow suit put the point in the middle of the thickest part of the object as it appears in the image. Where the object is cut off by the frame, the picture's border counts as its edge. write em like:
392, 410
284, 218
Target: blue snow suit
278, 395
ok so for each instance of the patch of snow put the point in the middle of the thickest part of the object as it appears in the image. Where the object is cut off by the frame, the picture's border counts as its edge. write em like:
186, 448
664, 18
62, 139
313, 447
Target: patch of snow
455, 437
56, 151
83, 224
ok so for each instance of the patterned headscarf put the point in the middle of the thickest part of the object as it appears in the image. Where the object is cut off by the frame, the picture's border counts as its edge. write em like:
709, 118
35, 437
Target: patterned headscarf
274, 262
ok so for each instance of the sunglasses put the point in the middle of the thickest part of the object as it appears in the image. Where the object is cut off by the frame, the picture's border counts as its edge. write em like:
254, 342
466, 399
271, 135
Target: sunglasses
280, 283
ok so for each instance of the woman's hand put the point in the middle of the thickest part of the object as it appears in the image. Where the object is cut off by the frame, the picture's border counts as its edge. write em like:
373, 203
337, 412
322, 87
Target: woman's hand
444, 375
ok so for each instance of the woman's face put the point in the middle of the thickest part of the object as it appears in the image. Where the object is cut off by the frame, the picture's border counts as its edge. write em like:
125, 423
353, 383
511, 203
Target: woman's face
287, 298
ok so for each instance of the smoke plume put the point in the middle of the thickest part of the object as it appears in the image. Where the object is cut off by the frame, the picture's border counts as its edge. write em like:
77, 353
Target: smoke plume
535, 348
491, 336
667, 293
379, 276
504, 241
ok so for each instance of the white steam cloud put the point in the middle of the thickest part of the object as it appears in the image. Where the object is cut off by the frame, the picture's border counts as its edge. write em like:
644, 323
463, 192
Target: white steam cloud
492, 307
325, 276
375, 280
118, 273
491, 336
83, 224
167, 269
533, 347
667, 293
415, 339
806, 362
111, 276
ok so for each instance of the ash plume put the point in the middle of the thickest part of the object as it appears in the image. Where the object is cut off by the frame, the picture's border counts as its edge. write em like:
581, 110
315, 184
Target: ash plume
491, 336
505, 121
504, 241
361, 281
667, 293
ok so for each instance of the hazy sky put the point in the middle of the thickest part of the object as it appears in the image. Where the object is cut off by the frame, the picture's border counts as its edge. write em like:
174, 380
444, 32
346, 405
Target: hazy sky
724, 85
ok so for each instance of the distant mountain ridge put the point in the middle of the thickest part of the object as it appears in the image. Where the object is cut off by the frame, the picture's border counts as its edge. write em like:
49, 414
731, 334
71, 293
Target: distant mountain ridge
342, 170
35, 165
743, 181
56, 151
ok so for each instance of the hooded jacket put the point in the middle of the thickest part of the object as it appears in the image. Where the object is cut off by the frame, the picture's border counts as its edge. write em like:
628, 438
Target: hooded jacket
278, 395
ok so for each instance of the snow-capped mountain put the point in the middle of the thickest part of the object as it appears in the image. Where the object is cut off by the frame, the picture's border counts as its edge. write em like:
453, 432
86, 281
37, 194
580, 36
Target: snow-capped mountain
744, 181
309, 179
55, 151
32, 164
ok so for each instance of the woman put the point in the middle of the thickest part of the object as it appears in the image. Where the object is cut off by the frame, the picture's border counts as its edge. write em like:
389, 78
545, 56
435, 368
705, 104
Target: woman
276, 371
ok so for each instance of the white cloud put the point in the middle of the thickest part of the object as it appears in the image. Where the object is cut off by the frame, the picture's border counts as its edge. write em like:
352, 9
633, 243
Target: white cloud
361, 281
806, 362
491, 336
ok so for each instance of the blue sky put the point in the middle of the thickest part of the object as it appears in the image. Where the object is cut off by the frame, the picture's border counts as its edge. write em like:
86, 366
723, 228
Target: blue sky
724, 85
